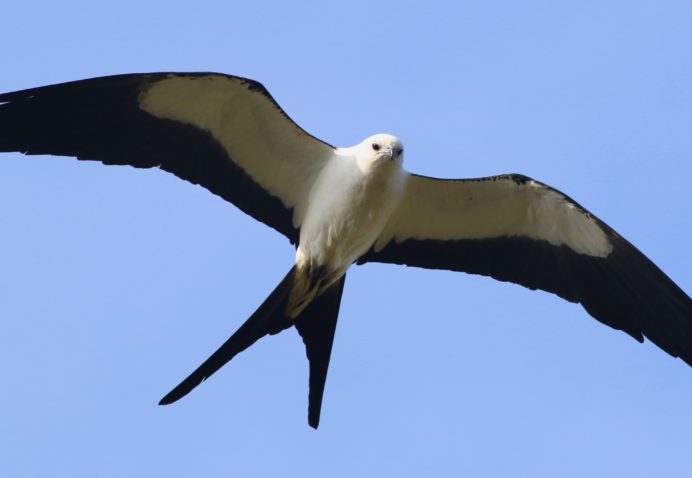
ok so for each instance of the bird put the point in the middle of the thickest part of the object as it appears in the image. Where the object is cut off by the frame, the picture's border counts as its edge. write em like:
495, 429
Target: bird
343, 206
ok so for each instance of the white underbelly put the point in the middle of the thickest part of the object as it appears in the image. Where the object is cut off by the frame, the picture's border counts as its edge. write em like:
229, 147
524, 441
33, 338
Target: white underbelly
348, 210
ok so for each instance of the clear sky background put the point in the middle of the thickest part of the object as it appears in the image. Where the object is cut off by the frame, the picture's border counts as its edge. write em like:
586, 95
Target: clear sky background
115, 283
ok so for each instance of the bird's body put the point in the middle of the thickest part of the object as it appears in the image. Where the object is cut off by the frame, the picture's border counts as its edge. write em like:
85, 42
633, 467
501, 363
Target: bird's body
341, 206
350, 203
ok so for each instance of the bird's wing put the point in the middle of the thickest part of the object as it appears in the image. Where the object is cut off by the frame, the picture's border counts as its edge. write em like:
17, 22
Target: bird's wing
515, 229
223, 132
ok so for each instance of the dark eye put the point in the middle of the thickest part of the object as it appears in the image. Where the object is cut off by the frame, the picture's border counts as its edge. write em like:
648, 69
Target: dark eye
399, 151
375, 146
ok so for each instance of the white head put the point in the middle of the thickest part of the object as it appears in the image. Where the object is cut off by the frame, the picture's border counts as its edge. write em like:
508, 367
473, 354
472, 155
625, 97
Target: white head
381, 148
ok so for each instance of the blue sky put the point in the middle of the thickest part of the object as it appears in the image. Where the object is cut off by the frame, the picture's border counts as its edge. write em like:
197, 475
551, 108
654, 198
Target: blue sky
115, 283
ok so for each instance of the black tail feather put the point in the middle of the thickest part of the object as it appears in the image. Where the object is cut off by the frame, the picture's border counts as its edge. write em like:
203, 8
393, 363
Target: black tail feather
317, 325
267, 319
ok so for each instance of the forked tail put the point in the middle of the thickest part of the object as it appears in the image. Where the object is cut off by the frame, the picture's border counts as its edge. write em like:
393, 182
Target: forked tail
316, 324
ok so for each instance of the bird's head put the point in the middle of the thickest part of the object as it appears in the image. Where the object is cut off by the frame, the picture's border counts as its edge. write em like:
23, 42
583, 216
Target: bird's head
381, 147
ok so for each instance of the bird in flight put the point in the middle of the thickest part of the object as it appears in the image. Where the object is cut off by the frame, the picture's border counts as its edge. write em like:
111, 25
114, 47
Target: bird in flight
341, 206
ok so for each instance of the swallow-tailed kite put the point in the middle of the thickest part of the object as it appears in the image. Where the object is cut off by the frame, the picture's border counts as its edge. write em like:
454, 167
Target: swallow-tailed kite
341, 206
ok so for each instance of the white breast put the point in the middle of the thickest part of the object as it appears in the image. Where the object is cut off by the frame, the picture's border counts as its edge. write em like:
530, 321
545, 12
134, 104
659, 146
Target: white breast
347, 210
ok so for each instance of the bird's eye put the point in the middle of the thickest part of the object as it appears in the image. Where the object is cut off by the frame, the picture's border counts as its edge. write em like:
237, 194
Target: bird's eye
375, 146
399, 151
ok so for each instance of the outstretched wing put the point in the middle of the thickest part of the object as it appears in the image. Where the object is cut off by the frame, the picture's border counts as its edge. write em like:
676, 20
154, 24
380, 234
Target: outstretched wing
223, 132
515, 229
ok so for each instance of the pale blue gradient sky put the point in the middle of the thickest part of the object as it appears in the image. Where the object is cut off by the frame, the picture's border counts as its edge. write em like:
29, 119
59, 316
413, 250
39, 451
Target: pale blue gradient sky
115, 283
